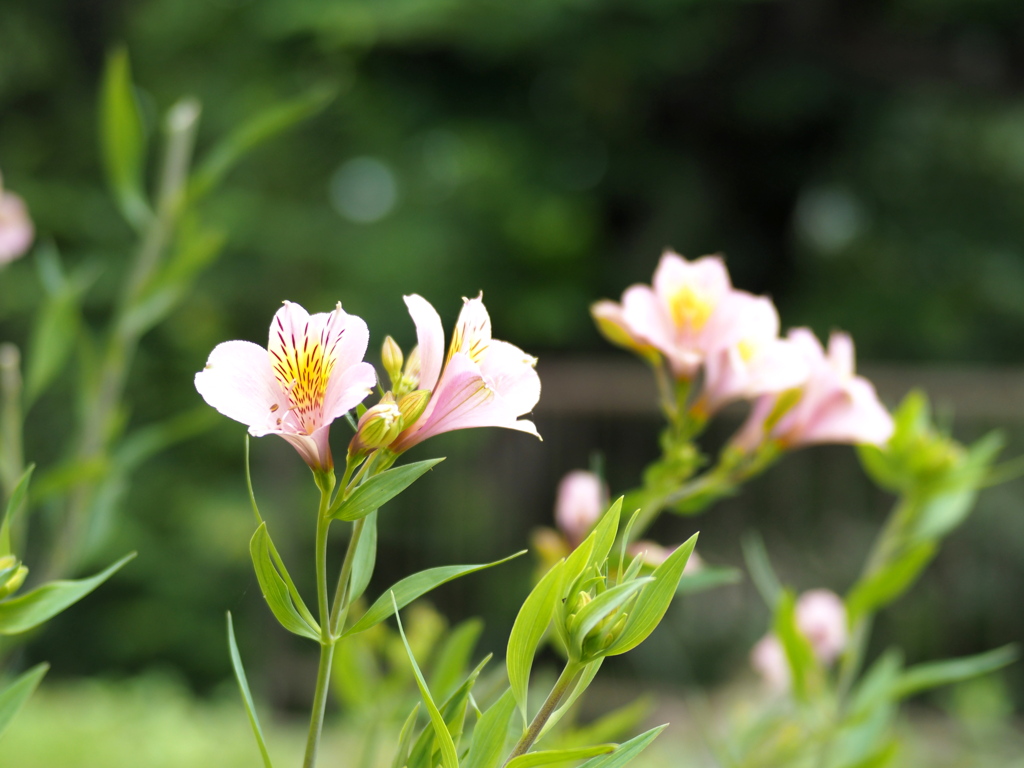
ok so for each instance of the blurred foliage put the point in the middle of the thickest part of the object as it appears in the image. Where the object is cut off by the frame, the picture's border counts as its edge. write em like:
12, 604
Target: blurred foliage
861, 162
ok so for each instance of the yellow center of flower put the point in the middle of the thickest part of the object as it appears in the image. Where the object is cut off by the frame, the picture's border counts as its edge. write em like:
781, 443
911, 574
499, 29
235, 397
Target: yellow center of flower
747, 350
469, 340
690, 308
302, 366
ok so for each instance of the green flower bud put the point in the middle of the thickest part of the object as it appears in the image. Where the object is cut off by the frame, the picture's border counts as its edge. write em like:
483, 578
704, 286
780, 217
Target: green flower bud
12, 575
392, 358
412, 405
378, 427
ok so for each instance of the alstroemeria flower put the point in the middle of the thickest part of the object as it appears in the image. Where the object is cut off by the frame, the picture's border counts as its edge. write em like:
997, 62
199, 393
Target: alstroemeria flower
311, 372
833, 406
821, 618
16, 229
579, 503
748, 359
482, 382
673, 315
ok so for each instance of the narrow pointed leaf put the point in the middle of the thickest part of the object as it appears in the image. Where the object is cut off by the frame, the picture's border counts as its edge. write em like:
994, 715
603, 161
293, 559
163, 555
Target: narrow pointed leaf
449, 757
264, 126
453, 657
453, 711
17, 693
365, 558
492, 734
799, 652
123, 139
708, 577
14, 508
380, 489
278, 589
243, 687
550, 756
405, 739
21, 614
760, 569
933, 674
885, 585
527, 631
626, 751
604, 534
653, 602
412, 587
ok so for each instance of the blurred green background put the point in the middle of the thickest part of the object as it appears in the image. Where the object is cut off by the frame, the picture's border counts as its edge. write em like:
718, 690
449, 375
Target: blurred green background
862, 162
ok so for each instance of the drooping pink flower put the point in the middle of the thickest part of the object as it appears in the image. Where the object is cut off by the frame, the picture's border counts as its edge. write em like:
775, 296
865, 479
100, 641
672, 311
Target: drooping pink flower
833, 406
311, 373
482, 382
582, 498
673, 314
16, 229
747, 359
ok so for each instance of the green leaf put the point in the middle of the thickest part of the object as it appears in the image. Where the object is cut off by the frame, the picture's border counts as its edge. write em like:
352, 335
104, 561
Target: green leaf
626, 751
612, 726
882, 587
604, 534
799, 652
549, 756
528, 629
931, 675
405, 739
654, 600
243, 687
123, 140
21, 614
412, 587
453, 711
492, 734
453, 657
264, 126
876, 686
760, 568
14, 507
365, 557
278, 588
708, 577
449, 757
380, 489
17, 693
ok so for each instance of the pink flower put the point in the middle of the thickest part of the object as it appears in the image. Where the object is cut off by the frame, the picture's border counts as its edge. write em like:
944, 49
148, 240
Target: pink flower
673, 315
311, 373
482, 382
581, 499
16, 229
747, 359
834, 406
821, 618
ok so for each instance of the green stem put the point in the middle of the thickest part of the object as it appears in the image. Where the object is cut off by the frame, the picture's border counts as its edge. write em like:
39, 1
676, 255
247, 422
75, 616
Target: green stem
323, 677
339, 611
562, 686
12, 460
323, 524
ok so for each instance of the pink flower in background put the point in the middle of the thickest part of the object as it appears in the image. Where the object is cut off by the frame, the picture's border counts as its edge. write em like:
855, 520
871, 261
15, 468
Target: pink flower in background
673, 314
748, 359
653, 554
581, 500
821, 618
311, 373
768, 658
16, 229
834, 406
482, 382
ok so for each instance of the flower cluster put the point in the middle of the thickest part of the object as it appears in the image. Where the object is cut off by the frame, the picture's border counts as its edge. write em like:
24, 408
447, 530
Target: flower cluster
312, 372
725, 343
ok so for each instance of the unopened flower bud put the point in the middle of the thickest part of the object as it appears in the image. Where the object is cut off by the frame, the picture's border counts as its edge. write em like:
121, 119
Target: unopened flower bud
768, 658
821, 618
12, 575
392, 358
378, 427
16, 229
581, 499
412, 405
